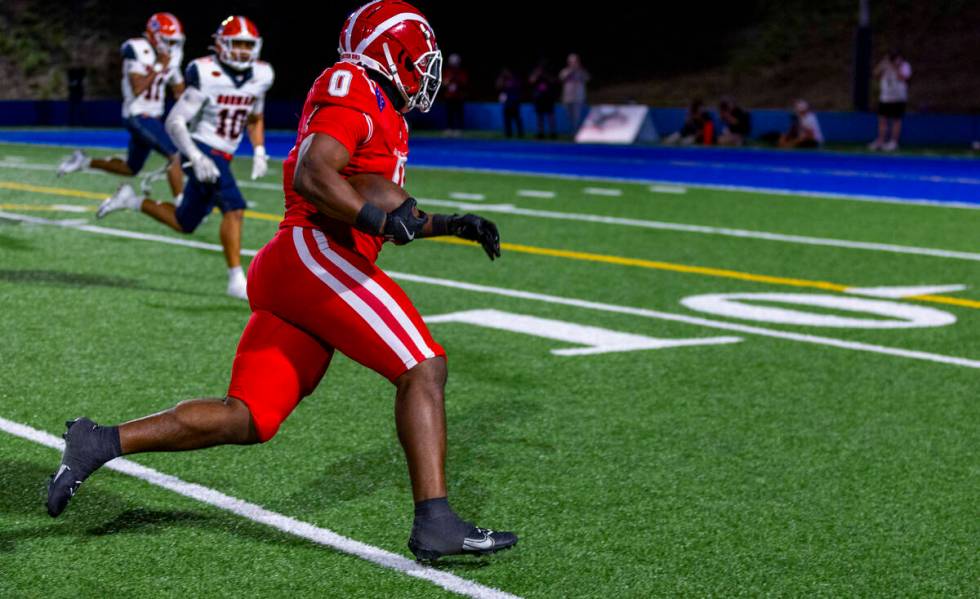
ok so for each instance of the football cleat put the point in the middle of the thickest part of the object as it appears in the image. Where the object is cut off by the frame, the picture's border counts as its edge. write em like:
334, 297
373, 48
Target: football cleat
125, 197
237, 286
479, 542
87, 447
74, 163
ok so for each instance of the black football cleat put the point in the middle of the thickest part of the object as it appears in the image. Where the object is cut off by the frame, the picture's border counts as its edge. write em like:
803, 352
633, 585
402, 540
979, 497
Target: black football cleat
87, 447
479, 542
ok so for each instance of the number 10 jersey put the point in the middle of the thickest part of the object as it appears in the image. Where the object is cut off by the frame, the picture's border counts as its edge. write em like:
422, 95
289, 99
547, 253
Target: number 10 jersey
231, 97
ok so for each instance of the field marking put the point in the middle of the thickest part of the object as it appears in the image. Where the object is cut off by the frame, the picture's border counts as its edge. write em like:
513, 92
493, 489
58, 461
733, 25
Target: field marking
603, 191
474, 197
610, 220
283, 523
702, 270
634, 262
722, 231
668, 189
553, 299
534, 193
775, 191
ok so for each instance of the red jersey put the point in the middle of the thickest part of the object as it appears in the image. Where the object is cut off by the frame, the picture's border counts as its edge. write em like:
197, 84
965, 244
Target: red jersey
346, 105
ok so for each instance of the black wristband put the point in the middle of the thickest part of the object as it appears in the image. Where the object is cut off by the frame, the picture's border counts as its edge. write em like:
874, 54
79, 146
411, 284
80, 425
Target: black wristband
370, 219
440, 224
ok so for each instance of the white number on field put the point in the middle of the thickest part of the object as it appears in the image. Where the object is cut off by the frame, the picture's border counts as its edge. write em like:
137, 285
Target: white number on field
894, 315
595, 340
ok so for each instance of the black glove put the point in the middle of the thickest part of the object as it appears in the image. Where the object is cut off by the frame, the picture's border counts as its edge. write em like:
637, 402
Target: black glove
402, 225
476, 228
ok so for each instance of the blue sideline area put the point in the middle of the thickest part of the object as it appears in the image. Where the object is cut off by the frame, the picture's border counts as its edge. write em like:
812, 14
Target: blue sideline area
834, 174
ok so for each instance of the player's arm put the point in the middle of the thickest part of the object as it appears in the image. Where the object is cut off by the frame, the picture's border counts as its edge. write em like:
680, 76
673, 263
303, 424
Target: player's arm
187, 107
317, 178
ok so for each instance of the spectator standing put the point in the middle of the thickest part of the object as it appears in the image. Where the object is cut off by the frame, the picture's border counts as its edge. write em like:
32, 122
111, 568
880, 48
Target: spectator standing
805, 131
893, 74
574, 77
455, 81
736, 123
543, 93
509, 86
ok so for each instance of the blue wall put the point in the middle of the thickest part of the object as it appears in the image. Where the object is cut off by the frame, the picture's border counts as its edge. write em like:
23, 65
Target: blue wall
840, 127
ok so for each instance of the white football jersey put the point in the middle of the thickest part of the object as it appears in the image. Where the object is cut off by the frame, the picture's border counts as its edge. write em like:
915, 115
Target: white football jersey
231, 96
139, 57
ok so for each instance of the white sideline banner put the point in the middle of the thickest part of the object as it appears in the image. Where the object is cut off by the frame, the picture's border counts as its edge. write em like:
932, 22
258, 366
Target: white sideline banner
617, 124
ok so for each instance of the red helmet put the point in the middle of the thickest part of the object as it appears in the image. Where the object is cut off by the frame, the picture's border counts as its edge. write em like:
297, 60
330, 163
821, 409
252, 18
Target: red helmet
165, 32
393, 38
237, 28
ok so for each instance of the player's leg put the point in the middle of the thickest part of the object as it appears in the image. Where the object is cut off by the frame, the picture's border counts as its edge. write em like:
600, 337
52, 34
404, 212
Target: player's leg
175, 175
420, 418
114, 165
276, 365
232, 204
373, 322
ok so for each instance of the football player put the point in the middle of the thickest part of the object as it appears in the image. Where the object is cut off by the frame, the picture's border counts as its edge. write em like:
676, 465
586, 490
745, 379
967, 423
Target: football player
225, 96
150, 64
315, 289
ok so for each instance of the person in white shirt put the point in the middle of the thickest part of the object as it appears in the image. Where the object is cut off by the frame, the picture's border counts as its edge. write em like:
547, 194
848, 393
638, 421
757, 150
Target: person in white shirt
573, 78
893, 73
151, 63
805, 131
225, 97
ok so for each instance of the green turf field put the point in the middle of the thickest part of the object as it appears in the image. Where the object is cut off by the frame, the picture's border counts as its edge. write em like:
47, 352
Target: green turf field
798, 461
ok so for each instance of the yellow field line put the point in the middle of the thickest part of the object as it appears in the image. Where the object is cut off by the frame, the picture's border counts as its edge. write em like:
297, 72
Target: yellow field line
556, 253
57, 191
37, 207
703, 270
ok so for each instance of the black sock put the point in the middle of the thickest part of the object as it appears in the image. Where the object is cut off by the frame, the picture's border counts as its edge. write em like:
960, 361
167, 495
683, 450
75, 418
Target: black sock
110, 442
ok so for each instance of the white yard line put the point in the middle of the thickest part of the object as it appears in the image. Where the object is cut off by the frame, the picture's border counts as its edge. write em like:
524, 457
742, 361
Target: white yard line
535, 193
704, 230
475, 197
778, 191
603, 191
553, 299
649, 224
668, 189
286, 524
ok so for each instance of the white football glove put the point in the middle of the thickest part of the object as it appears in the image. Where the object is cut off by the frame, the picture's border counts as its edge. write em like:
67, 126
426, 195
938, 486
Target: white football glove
260, 163
204, 168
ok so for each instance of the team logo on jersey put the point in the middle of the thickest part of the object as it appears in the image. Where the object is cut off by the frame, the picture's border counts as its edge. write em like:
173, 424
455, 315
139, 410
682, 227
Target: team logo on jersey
381, 98
215, 74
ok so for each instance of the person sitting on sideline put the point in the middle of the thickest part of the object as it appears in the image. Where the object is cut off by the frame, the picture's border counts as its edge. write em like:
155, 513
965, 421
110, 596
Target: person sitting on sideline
698, 127
736, 123
805, 131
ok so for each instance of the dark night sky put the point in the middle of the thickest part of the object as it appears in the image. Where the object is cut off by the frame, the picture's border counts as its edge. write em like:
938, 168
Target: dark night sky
300, 39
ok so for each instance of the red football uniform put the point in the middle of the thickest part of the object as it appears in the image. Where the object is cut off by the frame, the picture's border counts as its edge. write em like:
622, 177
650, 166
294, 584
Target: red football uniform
315, 288
346, 105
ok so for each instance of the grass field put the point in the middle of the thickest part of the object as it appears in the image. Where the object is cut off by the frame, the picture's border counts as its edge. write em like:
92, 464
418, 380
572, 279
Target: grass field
798, 460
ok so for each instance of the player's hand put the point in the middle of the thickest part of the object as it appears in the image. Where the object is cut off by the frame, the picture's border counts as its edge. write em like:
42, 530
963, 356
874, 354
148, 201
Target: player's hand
164, 60
404, 223
260, 163
205, 170
476, 228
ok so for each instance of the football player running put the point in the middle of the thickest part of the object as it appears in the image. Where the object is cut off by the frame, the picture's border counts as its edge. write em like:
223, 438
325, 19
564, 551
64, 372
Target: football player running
315, 289
150, 64
225, 96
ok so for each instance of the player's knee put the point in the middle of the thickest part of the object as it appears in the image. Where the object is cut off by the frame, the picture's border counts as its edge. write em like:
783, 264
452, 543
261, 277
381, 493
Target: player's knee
264, 420
429, 374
